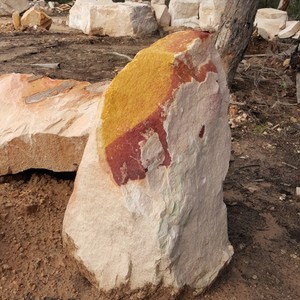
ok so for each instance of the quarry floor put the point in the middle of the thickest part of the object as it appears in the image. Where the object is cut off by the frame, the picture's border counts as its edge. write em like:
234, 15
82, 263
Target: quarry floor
263, 211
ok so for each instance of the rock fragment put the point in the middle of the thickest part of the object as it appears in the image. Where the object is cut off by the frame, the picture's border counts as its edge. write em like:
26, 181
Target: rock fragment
292, 27
45, 123
35, 17
7, 7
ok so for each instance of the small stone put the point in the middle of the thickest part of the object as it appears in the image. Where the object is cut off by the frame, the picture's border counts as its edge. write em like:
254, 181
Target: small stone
242, 246
254, 277
294, 256
298, 191
293, 119
282, 197
16, 19
6, 267
8, 205
35, 17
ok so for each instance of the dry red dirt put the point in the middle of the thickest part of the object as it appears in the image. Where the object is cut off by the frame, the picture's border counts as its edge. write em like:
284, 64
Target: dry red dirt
263, 211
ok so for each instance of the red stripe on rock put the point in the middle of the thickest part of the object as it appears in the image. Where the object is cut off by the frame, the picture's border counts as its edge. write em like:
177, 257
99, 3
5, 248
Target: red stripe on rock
124, 154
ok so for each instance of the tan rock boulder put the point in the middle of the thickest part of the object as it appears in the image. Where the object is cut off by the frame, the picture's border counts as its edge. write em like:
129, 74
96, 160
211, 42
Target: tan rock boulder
35, 17
45, 123
7, 7
147, 206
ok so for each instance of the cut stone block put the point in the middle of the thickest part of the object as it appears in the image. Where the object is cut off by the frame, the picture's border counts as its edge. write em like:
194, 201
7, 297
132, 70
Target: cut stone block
7, 7
210, 12
113, 19
271, 13
44, 122
147, 206
183, 9
162, 14
269, 29
270, 22
187, 22
292, 27
36, 17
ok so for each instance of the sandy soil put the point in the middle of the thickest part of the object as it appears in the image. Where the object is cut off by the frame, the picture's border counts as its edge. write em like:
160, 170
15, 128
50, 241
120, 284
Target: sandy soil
263, 211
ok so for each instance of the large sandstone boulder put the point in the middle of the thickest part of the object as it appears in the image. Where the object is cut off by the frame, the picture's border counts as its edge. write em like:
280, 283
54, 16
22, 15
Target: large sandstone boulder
7, 7
44, 122
114, 19
147, 206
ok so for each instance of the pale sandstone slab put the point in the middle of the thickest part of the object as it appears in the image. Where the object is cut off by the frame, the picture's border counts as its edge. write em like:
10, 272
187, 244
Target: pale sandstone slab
292, 27
7, 7
162, 14
44, 122
271, 13
147, 206
183, 9
210, 13
113, 19
270, 22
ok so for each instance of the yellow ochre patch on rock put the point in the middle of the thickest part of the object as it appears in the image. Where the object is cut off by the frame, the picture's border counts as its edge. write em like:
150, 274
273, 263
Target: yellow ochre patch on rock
143, 85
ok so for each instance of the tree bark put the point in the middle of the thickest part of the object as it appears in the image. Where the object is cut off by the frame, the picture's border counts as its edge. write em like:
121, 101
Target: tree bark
234, 33
283, 4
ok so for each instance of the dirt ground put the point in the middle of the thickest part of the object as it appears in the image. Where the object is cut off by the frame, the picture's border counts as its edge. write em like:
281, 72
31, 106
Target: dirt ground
263, 210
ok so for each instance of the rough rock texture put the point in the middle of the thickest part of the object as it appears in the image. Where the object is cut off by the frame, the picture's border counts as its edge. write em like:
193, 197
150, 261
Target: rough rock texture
36, 17
183, 9
210, 12
162, 14
147, 206
292, 27
44, 122
8, 6
270, 22
113, 19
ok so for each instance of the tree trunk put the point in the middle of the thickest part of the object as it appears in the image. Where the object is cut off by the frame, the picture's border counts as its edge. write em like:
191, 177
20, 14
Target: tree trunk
283, 4
234, 33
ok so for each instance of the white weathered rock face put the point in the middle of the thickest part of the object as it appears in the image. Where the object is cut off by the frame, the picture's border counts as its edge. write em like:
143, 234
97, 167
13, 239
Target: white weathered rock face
210, 12
183, 9
147, 206
162, 14
44, 122
114, 19
7, 7
292, 27
270, 22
